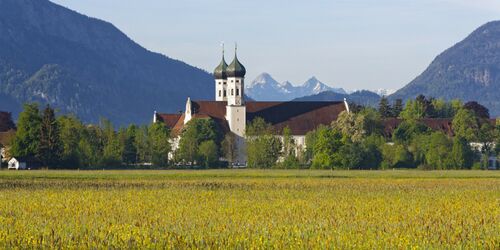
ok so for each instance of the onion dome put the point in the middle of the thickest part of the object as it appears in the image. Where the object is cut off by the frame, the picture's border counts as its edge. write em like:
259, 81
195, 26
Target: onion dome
236, 69
220, 71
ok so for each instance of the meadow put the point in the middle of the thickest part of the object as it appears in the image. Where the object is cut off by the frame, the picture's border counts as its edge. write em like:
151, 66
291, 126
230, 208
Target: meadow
250, 209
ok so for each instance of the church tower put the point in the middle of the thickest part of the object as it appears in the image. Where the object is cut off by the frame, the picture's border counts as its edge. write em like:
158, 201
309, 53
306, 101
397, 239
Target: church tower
220, 76
236, 110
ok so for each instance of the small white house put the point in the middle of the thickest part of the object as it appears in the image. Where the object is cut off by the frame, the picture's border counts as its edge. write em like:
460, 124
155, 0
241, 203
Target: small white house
16, 164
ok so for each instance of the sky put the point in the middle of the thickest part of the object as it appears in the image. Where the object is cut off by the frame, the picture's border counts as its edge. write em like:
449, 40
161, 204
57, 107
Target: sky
353, 44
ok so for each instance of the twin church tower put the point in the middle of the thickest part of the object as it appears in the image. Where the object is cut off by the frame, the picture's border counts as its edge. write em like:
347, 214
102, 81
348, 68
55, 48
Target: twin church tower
230, 88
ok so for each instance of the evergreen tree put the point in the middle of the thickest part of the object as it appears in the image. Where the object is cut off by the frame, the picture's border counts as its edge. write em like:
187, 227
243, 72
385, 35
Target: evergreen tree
129, 153
50, 146
384, 108
397, 108
27, 140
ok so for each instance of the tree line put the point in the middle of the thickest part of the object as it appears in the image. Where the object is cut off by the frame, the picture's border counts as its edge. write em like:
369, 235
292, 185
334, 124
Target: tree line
356, 140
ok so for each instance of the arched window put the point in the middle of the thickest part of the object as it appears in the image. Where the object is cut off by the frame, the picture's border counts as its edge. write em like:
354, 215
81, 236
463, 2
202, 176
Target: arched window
232, 91
220, 93
237, 92
225, 94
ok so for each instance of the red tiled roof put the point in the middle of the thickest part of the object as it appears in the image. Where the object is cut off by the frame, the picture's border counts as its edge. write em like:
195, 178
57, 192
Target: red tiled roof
300, 117
169, 119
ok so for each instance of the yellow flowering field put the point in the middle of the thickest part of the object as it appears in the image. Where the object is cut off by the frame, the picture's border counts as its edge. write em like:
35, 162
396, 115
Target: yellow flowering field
250, 209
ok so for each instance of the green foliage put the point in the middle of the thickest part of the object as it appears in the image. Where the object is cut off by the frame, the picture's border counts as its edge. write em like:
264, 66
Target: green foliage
159, 137
50, 146
27, 140
397, 108
351, 126
196, 132
466, 125
326, 147
396, 156
112, 151
384, 108
408, 130
413, 110
263, 148
461, 154
209, 154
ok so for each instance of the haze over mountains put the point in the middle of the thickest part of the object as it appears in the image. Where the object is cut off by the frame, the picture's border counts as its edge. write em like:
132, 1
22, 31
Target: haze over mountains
85, 66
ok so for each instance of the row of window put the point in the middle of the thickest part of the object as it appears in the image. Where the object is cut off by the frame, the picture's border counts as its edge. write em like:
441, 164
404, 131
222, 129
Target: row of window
232, 92
237, 81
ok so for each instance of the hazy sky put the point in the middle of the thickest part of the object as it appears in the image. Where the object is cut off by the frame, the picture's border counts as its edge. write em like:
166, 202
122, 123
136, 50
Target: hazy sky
354, 44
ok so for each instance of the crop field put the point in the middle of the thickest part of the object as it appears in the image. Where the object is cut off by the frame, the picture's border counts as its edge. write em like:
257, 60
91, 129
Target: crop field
249, 209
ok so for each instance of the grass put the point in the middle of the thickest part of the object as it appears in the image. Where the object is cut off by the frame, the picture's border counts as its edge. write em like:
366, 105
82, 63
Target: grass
250, 209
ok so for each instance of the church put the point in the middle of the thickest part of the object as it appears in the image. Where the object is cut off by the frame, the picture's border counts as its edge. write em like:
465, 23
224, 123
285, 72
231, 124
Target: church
232, 112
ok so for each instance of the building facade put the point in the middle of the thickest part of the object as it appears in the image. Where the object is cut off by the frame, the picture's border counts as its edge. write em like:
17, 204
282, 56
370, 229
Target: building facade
232, 112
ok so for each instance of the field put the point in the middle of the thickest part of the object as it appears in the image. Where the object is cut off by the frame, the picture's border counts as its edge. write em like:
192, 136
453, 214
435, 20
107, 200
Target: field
250, 209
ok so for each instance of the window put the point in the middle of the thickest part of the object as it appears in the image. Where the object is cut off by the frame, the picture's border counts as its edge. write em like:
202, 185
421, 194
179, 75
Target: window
237, 81
232, 80
237, 92
232, 91
225, 93
220, 93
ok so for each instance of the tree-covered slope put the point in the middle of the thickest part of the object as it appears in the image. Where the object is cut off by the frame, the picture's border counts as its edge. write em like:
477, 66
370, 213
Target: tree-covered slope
82, 65
469, 71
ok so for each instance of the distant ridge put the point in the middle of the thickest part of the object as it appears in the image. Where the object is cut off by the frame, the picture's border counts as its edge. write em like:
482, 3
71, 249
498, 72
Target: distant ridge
85, 66
363, 97
266, 88
470, 71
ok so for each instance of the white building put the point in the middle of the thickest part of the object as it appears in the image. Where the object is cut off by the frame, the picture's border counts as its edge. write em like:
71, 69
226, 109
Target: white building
15, 164
232, 112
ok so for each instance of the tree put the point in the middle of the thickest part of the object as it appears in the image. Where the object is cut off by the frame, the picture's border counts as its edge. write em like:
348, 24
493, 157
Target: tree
479, 110
466, 125
397, 108
413, 111
50, 146
351, 126
127, 137
27, 139
326, 149
112, 151
384, 108
408, 130
209, 154
438, 155
229, 147
196, 132
263, 148
289, 154
71, 131
461, 153
6, 122
396, 156
143, 144
159, 137
351, 155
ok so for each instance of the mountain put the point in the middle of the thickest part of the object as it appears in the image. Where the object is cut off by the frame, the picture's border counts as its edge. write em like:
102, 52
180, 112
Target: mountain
362, 97
82, 65
470, 71
266, 88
